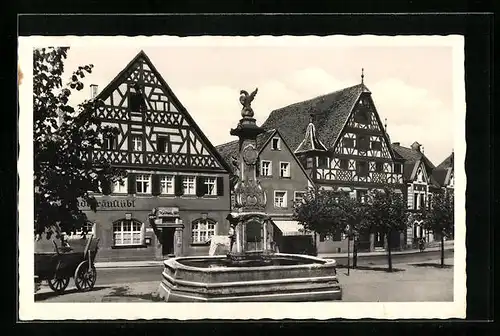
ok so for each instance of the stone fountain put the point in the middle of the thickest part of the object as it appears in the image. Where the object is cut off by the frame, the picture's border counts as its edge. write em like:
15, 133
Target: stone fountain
252, 270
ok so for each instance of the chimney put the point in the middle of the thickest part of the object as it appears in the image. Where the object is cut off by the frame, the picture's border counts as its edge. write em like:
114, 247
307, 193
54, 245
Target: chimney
396, 143
416, 146
93, 91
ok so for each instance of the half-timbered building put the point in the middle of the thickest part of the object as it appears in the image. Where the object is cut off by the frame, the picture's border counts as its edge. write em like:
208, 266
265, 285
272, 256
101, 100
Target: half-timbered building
173, 170
348, 149
281, 176
420, 183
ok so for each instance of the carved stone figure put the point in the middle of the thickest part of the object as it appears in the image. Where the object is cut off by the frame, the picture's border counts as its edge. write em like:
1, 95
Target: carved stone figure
246, 100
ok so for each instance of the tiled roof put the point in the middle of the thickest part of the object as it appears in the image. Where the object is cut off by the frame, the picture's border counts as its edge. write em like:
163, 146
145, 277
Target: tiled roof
448, 162
439, 175
330, 111
229, 150
412, 157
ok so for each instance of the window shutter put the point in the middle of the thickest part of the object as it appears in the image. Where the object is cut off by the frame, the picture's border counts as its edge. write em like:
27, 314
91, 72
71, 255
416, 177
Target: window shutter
178, 186
200, 190
155, 184
131, 184
220, 186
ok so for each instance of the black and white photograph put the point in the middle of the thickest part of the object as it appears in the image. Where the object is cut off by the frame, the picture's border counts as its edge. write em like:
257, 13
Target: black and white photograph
247, 174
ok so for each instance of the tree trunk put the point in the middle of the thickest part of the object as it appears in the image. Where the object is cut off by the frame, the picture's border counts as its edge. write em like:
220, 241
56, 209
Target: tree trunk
355, 253
389, 255
442, 250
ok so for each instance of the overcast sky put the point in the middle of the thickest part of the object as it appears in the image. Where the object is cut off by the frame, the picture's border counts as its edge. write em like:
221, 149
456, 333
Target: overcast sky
411, 86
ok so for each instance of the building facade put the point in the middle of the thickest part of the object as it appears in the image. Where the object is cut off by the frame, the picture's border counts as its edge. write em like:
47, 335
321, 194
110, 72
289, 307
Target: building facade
352, 151
281, 175
173, 172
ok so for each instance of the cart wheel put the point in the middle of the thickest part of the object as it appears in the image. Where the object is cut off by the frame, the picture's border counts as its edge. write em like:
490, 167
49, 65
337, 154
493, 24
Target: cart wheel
58, 285
85, 276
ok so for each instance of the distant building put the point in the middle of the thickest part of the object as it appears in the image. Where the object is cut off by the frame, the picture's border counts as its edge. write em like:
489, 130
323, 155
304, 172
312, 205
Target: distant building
418, 177
172, 167
444, 173
340, 140
281, 175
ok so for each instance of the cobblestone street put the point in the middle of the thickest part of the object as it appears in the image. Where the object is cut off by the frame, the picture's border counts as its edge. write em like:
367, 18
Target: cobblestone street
408, 283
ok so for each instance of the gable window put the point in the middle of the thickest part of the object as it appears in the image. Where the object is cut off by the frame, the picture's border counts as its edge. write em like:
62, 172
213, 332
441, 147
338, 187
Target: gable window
361, 116
363, 142
420, 175
110, 142
379, 167
348, 142
120, 187
265, 168
344, 164
309, 163
284, 169
137, 143
143, 184
189, 185
280, 199
275, 144
127, 232
136, 100
162, 144
167, 185
362, 168
202, 230
377, 145
299, 196
210, 186
397, 168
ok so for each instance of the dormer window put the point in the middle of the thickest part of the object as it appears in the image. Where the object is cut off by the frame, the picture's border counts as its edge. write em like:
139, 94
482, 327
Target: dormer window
275, 144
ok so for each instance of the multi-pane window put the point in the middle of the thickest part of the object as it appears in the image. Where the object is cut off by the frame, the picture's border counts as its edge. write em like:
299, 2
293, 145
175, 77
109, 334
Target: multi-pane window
397, 168
210, 185
189, 185
265, 168
87, 229
137, 143
362, 168
299, 196
127, 232
363, 142
376, 145
162, 144
344, 164
280, 199
143, 184
167, 185
348, 142
202, 230
120, 187
284, 169
110, 142
379, 167
275, 145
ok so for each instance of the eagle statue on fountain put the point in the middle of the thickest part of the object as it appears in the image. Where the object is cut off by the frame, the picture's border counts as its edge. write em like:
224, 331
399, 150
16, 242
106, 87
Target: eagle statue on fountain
246, 100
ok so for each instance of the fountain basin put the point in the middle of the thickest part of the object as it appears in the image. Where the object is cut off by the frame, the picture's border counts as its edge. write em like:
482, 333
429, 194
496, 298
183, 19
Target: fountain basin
278, 277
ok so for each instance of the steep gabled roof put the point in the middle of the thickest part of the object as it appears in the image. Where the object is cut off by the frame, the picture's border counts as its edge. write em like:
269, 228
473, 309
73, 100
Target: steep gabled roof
444, 170
331, 112
412, 159
124, 74
448, 162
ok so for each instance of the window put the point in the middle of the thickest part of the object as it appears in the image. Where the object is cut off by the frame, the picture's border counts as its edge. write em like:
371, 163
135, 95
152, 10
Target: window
284, 169
348, 142
167, 185
376, 145
344, 164
88, 229
280, 199
363, 142
309, 163
143, 184
210, 186
361, 116
420, 175
189, 185
299, 196
265, 168
379, 167
110, 142
127, 232
415, 201
361, 195
202, 230
162, 143
120, 187
275, 145
397, 168
136, 100
322, 162
362, 168
137, 143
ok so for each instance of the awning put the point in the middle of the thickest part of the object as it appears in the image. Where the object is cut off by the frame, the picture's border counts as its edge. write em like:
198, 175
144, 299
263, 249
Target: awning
290, 228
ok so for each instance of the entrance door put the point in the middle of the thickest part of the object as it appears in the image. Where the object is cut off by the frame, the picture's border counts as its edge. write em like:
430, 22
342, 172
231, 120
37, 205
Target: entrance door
168, 241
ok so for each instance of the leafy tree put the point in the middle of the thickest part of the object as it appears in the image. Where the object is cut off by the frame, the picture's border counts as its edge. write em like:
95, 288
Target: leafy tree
439, 217
63, 136
386, 214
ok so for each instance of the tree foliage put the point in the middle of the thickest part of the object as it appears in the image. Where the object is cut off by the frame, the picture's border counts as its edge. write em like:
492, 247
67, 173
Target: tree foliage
439, 217
62, 137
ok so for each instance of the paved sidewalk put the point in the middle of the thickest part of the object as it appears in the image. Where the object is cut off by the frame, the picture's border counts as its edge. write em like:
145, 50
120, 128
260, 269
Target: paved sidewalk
448, 245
